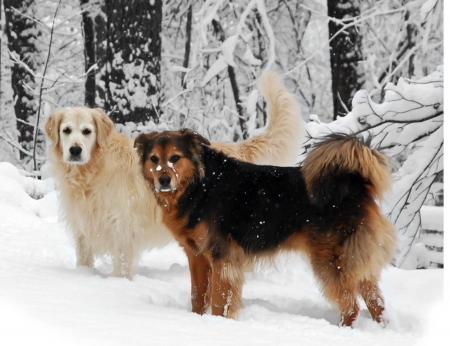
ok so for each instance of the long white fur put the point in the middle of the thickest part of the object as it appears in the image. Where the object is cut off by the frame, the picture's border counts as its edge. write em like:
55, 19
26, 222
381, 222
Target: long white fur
105, 201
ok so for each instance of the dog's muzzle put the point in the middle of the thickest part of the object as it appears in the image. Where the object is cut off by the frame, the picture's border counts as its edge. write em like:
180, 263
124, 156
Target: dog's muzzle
164, 183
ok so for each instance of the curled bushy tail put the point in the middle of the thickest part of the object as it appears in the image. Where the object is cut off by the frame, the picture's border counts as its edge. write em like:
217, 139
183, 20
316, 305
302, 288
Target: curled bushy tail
280, 141
286, 131
339, 164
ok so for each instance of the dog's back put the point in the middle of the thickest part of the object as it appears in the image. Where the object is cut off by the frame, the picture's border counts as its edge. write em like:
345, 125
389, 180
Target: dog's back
260, 207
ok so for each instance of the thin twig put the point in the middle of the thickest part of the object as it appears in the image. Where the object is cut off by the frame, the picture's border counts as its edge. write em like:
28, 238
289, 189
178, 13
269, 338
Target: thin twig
38, 115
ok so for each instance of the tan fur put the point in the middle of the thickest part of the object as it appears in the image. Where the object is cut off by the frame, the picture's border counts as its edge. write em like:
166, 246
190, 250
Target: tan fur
351, 156
107, 204
278, 145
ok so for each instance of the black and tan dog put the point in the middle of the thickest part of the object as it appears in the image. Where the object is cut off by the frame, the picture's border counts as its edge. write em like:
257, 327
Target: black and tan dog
225, 212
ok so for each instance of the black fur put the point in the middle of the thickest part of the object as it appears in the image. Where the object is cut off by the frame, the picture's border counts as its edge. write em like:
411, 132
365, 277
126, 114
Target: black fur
259, 207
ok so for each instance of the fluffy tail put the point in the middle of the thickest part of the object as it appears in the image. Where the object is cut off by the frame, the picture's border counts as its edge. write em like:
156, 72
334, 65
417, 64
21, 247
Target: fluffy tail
286, 130
340, 164
278, 144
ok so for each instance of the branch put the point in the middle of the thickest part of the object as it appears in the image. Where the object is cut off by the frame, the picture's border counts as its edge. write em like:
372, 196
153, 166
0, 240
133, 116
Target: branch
19, 147
38, 115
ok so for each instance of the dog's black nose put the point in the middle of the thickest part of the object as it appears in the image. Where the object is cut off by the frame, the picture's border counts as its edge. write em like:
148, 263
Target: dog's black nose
164, 181
75, 151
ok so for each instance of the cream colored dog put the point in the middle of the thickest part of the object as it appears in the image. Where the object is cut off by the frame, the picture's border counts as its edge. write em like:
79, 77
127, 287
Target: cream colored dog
105, 201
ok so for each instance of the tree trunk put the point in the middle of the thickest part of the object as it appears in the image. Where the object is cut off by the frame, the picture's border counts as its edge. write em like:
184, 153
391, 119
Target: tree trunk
21, 33
218, 30
187, 46
100, 54
133, 54
89, 56
345, 53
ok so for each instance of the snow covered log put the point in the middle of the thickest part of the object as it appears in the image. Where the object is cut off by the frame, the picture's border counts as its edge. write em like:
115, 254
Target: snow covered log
408, 128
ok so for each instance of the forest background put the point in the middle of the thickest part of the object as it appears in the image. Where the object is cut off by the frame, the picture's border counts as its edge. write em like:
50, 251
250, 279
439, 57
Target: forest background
157, 65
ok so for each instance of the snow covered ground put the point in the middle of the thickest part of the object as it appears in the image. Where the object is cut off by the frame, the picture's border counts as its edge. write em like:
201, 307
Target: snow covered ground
46, 300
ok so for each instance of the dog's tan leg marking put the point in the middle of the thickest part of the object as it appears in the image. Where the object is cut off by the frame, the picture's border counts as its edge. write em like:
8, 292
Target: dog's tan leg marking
226, 292
200, 269
371, 294
84, 253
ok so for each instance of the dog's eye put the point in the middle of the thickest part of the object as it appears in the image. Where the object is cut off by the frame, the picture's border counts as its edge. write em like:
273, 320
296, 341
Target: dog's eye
175, 158
154, 158
87, 132
67, 130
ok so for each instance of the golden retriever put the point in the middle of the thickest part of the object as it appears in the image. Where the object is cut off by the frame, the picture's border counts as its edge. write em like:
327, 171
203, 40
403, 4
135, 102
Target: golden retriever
104, 198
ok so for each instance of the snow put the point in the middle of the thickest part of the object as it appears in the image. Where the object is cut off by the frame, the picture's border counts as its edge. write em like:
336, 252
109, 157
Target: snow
218, 66
250, 58
426, 9
433, 217
45, 299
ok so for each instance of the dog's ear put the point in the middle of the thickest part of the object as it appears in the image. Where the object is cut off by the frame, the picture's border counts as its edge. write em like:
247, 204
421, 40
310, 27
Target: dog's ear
144, 141
196, 139
52, 125
104, 126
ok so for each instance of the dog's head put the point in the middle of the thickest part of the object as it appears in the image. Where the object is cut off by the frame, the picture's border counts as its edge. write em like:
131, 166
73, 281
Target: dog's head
171, 160
75, 132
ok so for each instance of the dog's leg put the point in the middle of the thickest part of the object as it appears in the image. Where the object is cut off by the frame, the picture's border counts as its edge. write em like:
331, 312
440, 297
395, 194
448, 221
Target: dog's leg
200, 269
371, 294
123, 264
345, 297
339, 291
85, 256
349, 310
226, 292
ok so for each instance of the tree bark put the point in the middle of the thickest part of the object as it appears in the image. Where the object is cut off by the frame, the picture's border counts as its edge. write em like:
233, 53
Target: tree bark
345, 53
89, 56
21, 33
187, 46
133, 55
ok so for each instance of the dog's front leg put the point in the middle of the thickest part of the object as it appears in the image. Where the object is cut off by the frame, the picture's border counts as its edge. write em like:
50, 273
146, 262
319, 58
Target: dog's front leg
226, 291
200, 269
85, 256
123, 264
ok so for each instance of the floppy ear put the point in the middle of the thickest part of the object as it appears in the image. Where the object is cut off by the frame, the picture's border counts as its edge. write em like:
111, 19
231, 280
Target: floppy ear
144, 141
196, 138
52, 125
104, 126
